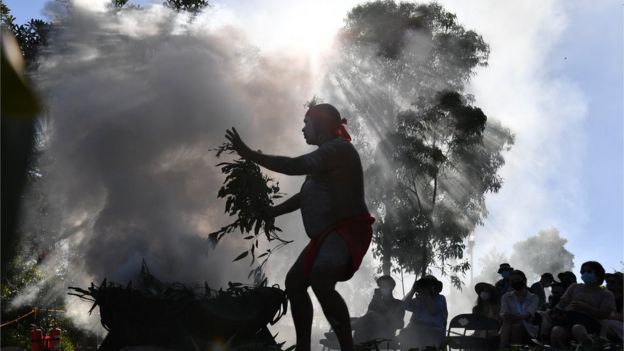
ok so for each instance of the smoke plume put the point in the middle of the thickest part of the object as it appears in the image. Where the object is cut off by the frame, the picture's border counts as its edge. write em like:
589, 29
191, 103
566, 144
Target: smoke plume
136, 101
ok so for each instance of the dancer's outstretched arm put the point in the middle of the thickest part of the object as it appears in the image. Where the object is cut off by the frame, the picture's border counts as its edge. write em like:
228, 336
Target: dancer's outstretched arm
316, 161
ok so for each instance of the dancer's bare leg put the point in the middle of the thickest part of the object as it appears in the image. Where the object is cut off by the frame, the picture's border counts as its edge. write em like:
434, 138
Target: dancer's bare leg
333, 264
300, 305
336, 312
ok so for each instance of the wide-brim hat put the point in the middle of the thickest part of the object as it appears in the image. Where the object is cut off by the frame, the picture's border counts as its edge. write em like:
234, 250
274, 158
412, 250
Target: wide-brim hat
424, 283
548, 276
480, 287
505, 267
430, 281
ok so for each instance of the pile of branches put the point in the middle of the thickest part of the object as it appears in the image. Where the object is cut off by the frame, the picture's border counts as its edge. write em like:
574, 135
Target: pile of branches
184, 318
248, 195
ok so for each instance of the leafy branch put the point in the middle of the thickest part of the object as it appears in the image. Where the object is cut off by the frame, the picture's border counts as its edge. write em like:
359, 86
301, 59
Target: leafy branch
248, 195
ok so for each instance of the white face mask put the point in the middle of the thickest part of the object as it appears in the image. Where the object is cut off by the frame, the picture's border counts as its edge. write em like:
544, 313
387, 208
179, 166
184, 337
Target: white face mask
484, 295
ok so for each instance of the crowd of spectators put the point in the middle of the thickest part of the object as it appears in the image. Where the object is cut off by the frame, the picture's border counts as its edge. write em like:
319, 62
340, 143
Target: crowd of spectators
550, 311
573, 311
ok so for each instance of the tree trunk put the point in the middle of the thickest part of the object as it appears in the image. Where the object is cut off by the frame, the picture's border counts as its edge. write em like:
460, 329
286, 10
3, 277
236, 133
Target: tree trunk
386, 259
386, 265
423, 269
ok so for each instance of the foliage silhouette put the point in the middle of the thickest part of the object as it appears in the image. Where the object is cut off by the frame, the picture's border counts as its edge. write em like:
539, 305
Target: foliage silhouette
403, 68
248, 194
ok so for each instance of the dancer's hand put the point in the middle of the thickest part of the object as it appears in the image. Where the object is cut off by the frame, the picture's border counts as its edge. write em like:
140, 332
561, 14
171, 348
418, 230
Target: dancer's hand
237, 143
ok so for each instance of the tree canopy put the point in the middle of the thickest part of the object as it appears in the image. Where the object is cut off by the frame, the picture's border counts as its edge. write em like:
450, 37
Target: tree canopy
402, 69
192, 6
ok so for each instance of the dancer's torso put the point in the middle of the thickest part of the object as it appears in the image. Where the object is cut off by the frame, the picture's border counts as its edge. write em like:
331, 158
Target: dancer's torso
332, 193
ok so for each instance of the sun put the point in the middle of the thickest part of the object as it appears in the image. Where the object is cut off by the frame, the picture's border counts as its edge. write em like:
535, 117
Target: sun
303, 27
316, 32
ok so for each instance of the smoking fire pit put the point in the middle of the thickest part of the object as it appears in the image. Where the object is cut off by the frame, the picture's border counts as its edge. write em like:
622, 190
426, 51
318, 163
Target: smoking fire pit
179, 317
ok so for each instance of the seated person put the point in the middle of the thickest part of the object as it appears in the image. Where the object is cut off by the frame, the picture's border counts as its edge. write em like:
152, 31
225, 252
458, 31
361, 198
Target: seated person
582, 307
567, 278
557, 290
539, 288
503, 284
615, 323
427, 326
384, 316
488, 301
488, 305
614, 285
517, 308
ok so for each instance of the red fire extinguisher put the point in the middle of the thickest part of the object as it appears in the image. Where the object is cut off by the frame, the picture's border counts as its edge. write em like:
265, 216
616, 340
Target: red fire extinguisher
46, 342
36, 339
54, 339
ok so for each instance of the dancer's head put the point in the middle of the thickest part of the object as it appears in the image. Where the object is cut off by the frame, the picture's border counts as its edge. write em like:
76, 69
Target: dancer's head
322, 122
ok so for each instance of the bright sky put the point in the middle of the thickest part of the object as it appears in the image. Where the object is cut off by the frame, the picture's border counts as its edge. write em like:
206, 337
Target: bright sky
577, 82
594, 61
555, 77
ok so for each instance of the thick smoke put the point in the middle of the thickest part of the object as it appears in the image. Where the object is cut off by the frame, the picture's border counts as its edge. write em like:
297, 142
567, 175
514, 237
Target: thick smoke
542, 253
136, 101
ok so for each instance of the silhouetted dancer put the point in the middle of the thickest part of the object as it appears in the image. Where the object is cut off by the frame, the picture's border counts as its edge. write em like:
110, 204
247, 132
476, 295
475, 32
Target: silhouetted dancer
334, 214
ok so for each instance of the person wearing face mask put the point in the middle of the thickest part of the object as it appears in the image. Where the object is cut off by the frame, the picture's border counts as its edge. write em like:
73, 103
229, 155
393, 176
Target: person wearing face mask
503, 285
517, 308
427, 326
488, 301
582, 307
488, 305
384, 315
